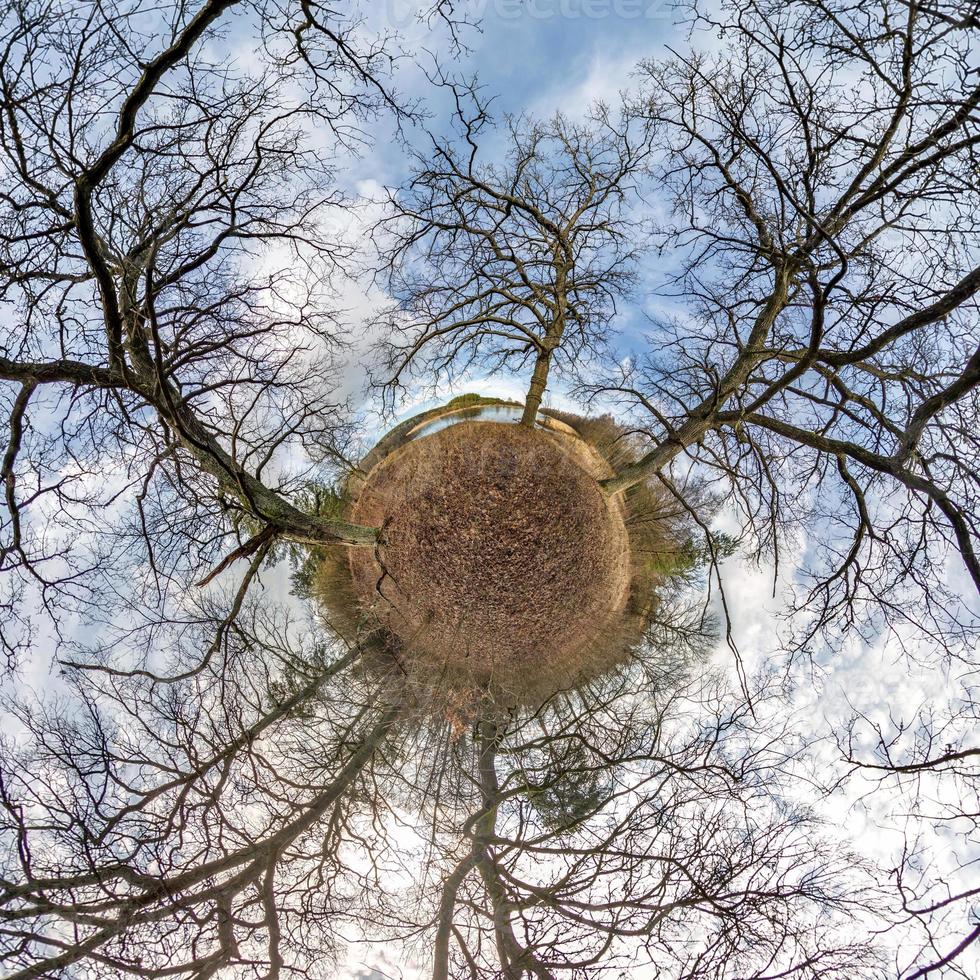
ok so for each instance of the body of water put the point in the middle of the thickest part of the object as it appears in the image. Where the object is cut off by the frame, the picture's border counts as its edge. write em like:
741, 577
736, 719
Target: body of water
478, 413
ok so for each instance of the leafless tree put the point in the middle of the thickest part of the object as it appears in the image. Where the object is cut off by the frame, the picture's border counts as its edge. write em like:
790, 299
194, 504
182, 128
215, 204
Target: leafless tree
501, 262
182, 825
165, 275
216, 788
603, 834
249, 811
820, 363
166, 348
818, 359
929, 767
821, 178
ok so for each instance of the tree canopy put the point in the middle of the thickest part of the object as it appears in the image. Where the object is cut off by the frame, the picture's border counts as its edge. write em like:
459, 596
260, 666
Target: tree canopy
218, 777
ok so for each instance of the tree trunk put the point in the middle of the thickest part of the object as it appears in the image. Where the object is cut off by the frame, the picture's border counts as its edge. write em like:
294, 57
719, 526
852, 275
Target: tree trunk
447, 908
701, 419
539, 381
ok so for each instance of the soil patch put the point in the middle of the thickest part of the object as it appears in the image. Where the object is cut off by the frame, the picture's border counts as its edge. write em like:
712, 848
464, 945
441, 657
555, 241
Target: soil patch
501, 555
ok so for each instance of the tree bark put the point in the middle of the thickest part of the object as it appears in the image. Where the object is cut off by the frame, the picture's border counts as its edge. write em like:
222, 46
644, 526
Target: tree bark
447, 906
515, 959
539, 381
157, 901
701, 418
258, 499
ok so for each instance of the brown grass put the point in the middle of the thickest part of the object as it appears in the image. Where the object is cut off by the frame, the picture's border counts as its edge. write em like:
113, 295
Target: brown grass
505, 573
501, 556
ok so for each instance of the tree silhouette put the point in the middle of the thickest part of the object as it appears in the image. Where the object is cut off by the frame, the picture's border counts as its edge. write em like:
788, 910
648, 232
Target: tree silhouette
174, 350
823, 360
218, 784
822, 201
501, 264
243, 814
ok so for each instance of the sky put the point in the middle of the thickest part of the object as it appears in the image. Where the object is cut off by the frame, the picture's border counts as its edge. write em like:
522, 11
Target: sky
533, 57
542, 56
560, 55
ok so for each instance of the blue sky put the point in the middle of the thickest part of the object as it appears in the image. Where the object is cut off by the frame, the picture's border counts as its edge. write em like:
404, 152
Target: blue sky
535, 56
540, 59
529, 56
540, 56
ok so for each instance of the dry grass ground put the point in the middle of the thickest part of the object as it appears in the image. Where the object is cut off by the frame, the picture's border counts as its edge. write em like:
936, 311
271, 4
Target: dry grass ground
501, 559
505, 573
